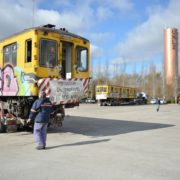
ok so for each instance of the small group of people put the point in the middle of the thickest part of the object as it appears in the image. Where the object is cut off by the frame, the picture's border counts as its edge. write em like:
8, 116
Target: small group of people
40, 115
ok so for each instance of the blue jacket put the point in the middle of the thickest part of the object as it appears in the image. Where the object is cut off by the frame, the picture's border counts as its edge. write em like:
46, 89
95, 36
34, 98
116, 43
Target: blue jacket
43, 108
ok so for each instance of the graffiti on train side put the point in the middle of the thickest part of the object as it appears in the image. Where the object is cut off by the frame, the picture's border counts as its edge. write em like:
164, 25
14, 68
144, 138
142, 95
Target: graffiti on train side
12, 82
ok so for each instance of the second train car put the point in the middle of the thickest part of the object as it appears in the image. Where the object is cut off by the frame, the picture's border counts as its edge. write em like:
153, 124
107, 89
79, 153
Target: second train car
109, 95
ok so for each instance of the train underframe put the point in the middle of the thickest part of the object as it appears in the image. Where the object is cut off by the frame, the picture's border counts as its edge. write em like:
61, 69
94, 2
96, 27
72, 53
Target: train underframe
116, 102
14, 112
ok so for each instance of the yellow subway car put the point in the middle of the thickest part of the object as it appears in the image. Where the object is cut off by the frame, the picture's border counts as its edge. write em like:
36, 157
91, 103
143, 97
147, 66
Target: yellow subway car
42, 58
115, 95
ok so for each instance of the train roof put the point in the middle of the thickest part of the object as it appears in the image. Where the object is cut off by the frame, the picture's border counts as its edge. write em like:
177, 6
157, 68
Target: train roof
48, 28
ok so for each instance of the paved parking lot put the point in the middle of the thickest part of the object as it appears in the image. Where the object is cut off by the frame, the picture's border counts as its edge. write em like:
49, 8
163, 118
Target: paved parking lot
99, 143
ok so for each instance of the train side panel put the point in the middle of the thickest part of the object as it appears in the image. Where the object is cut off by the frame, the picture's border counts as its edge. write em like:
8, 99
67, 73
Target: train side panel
115, 95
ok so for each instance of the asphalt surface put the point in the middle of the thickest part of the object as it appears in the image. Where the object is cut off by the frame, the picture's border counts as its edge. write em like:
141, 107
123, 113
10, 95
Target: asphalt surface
99, 143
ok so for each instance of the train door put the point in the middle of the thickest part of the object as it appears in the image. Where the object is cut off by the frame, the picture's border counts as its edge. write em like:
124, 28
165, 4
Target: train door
66, 71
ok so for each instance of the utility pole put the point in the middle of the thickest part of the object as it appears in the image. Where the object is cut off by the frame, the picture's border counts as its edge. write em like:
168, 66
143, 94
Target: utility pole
33, 11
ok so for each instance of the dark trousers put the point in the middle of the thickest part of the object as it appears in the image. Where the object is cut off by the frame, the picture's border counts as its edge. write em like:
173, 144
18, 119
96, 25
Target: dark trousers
158, 107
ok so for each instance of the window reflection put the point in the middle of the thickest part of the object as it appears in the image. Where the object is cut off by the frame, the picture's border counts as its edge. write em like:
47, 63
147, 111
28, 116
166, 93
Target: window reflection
10, 54
82, 56
48, 56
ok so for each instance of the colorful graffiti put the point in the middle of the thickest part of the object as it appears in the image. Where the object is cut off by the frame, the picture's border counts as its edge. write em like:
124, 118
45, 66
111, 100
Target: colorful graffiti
24, 86
12, 82
9, 86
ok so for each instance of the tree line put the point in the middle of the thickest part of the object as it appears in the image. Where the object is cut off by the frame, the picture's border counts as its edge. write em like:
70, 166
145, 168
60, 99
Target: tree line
151, 82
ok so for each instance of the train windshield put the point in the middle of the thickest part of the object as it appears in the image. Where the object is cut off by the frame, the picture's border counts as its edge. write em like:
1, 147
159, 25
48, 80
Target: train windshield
48, 53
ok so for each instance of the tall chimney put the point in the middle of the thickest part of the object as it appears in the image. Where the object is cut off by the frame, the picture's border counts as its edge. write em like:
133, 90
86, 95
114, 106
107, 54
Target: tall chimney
171, 60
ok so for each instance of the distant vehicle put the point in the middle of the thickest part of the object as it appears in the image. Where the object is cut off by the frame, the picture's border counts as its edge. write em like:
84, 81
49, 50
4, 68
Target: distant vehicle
89, 100
153, 101
141, 98
163, 101
82, 100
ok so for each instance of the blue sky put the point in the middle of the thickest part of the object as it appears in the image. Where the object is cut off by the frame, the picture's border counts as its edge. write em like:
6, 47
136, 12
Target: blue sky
123, 33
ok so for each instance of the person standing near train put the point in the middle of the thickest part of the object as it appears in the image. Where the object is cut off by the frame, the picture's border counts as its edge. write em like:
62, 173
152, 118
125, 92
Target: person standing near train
40, 114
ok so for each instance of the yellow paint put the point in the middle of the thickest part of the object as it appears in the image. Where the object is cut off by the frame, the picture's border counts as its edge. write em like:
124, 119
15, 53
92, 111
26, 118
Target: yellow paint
107, 90
33, 67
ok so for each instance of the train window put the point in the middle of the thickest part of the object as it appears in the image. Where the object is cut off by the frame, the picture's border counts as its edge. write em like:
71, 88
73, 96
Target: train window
28, 51
82, 58
48, 53
10, 54
101, 89
98, 89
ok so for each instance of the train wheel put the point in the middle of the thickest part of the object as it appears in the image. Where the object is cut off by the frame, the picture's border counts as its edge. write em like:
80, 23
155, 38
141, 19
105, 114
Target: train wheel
24, 110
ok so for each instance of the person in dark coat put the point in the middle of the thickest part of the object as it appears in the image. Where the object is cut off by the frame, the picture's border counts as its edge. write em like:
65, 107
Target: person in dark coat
158, 104
40, 114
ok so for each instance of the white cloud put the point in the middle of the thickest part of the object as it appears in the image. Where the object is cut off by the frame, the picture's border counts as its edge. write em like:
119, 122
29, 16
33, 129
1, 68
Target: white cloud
14, 17
146, 40
18, 15
46, 16
103, 13
122, 5
111, 8
70, 20
101, 38
77, 16
63, 2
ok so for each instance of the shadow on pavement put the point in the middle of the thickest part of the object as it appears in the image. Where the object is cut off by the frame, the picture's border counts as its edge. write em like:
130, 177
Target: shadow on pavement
79, 143
104, 127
